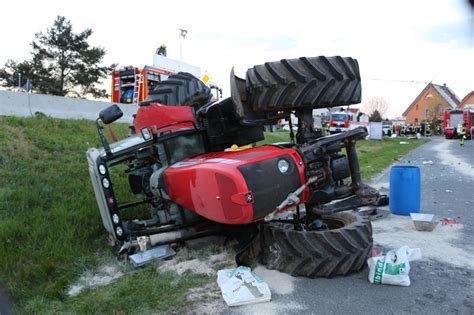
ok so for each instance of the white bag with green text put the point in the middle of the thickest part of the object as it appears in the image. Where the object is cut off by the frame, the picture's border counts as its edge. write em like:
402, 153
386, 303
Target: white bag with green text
241, 286
394, 267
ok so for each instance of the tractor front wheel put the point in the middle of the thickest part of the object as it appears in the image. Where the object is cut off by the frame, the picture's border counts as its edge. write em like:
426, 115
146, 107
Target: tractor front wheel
341, 249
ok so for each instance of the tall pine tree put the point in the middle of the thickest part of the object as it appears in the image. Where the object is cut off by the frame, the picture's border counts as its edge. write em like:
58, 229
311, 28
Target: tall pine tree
62, 63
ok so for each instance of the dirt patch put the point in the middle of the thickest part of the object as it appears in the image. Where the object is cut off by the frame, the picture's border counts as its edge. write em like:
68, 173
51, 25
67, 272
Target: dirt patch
207, 300
194, 265
440, 244
102, 276
208, 265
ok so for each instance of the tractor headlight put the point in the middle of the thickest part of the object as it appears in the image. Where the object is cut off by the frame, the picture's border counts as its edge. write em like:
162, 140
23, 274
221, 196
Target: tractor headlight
102, 169
119, 231
146, 134
283, 166
105, 183
115, 218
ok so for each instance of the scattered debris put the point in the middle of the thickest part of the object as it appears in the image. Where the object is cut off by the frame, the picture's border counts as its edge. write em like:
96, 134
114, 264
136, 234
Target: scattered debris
279, 282
428, 162
394, 267
103, 276
444, 154
144, 257
449, 221
240, 286
442, 244
206, 266
193, 265
403, 142
376, 253
424, 221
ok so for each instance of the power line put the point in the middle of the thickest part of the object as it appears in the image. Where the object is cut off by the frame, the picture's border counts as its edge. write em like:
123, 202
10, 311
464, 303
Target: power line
395, 80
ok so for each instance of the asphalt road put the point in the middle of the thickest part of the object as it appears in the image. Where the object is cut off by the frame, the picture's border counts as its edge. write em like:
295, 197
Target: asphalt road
442, 282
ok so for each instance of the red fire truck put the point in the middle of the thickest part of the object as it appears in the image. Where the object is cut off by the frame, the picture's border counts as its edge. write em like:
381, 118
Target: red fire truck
339, 121
131, 84
453, 120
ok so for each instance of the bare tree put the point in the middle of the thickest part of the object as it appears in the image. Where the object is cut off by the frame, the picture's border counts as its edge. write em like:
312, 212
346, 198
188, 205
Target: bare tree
375, 104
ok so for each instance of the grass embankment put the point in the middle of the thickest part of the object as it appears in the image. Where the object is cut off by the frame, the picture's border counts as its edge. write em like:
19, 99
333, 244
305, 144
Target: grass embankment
50, 228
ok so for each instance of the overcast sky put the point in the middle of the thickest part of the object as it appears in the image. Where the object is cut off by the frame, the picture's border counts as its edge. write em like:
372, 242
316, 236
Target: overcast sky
392, 40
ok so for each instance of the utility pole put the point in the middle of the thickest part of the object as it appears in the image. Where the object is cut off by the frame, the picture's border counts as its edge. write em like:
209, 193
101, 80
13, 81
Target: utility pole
182, 36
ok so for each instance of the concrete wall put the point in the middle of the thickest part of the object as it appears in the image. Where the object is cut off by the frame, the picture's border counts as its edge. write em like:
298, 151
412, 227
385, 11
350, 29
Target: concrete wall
26, 105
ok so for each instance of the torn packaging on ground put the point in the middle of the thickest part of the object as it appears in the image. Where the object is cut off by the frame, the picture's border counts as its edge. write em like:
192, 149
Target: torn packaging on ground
240, 286
394, 267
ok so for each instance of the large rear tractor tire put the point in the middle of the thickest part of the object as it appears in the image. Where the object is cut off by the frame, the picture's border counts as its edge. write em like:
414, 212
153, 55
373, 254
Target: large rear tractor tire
180, 89
340, 250
303, 83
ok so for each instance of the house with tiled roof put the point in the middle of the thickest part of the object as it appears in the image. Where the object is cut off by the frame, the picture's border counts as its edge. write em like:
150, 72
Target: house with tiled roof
430, 104
467, 101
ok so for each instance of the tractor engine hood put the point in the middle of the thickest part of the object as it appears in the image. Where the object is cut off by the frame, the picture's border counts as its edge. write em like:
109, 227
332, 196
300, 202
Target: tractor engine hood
236, 187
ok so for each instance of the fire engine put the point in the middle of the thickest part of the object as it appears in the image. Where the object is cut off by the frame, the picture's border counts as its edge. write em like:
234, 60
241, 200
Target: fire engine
339, 121
453, 119
132, 84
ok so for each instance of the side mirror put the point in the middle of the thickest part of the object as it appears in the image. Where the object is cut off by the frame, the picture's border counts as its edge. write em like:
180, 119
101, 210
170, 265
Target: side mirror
110, 114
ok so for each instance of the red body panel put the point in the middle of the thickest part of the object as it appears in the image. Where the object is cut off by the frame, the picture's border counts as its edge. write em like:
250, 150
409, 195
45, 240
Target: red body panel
156, 116
212, 185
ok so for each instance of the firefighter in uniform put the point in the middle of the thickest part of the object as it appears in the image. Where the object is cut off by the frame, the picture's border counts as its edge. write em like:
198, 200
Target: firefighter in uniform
326, 128
462, 133
428, 128
439, 129
161, 50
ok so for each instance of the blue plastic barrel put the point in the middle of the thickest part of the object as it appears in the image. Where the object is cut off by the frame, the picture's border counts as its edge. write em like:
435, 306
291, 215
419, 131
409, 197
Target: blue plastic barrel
404, 189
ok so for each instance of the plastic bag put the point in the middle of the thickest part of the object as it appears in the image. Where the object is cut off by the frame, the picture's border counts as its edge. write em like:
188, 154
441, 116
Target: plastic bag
241, 286
394, 267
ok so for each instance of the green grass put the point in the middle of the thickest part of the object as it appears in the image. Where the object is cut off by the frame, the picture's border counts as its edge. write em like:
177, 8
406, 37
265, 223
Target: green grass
51, 231
50, 228
145, 291
273, 137
377, 155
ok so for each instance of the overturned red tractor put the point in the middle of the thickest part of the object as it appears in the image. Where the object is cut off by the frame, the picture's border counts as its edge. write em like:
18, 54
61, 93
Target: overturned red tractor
285, 203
